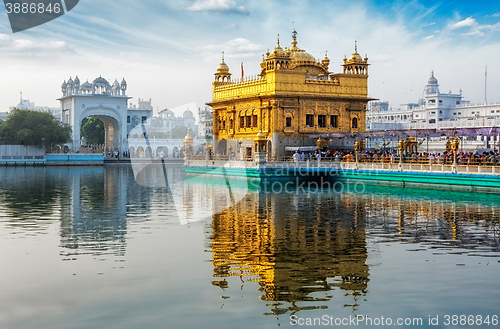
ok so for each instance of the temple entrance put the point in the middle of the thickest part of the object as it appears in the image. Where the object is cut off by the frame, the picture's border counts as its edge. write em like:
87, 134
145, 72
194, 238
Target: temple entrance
108, 139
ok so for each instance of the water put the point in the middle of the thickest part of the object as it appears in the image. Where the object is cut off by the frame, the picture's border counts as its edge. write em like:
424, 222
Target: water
90, 248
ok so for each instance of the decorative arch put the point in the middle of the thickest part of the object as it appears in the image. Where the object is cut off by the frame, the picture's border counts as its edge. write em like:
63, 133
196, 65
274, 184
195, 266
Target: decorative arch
112, 123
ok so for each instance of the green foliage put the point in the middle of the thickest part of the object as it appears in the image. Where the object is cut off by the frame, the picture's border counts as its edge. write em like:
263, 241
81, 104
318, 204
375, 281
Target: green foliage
27, 127
93, 130
157, 134
178, 132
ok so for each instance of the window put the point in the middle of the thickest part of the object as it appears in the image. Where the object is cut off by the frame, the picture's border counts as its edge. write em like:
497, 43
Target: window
322, 121
288, 122
459, 113
473, 112
144, 118
249, 121
309, 120
334, 121
432, 121
254, 121
224, 125
354, 123
242, 122
492, 111
128, 118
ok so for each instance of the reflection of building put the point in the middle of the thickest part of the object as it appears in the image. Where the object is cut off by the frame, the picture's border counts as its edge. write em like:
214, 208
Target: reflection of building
90, 225
293, 245
295, 95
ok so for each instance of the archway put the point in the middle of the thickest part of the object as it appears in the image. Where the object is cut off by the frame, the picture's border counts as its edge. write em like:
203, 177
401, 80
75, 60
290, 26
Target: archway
221, 147
131, 151
112, 123
140, 152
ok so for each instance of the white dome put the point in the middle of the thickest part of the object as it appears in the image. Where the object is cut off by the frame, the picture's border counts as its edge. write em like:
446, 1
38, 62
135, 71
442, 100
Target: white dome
187, 114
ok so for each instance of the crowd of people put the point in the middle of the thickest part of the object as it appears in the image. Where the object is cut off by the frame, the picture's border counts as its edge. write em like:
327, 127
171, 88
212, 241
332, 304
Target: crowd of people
463, 158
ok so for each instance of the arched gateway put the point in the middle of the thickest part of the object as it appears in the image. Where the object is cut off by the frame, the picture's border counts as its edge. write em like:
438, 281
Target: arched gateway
100, 100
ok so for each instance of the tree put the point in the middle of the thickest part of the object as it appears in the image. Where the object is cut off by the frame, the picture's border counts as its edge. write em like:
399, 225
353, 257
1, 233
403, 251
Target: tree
178, 132
27, 127
93, 131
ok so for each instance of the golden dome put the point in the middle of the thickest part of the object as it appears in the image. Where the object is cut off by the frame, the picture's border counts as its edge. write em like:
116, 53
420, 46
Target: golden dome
355, 57
325, 60
223, 68
188, 137
278, 50
297, 54
432, 80
301, 56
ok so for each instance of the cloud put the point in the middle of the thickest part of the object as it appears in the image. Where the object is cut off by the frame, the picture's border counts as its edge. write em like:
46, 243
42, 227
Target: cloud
428, 37
30, 48
218, 6
476, 29
238, 47
470, 22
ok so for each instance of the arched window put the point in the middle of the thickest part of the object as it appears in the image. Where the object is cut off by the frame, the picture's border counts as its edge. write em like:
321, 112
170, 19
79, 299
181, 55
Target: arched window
355, 123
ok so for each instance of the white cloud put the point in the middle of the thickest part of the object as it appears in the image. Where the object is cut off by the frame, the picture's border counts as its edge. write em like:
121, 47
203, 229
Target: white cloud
26, 47
218, 6
236, 48
470, 22
429, 37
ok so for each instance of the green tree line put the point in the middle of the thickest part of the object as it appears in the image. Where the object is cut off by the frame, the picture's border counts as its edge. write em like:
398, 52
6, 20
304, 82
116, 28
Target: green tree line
27, 127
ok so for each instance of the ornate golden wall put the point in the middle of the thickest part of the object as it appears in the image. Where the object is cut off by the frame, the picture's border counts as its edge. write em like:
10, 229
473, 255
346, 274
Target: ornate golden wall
293, 96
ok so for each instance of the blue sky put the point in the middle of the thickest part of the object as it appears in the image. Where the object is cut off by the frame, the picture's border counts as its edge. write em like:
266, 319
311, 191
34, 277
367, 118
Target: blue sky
169, 50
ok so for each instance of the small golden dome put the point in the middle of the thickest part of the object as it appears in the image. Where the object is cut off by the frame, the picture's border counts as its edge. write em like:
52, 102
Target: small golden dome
355, 57
325, 60
278, 50
223, 68
188, 137
432, 80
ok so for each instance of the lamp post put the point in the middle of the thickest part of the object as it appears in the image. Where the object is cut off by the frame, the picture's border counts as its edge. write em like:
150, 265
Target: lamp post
356, 149
401, 147
454, 146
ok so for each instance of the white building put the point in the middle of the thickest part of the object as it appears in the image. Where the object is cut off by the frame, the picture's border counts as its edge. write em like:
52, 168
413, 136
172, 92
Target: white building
25, 104
98, 99
436, 111
137, 114
166, 121
205, 126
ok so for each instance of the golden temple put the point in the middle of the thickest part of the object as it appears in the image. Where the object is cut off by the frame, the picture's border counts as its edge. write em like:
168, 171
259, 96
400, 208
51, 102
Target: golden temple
294, 96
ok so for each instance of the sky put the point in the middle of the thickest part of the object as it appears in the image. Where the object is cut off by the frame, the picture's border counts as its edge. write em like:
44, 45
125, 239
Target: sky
169, 50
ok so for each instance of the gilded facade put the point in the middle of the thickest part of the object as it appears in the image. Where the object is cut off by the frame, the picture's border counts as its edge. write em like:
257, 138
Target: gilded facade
293, 97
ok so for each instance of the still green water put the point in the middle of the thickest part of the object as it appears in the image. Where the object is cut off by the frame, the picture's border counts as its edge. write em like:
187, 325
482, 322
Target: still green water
89, 247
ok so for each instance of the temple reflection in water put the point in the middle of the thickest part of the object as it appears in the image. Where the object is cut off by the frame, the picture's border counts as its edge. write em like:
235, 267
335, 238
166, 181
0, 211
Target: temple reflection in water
298, 247
301, 247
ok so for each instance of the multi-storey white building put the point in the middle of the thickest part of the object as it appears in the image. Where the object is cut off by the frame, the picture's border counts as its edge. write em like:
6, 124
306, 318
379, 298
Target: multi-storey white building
436, 111
25, 104
205, 127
